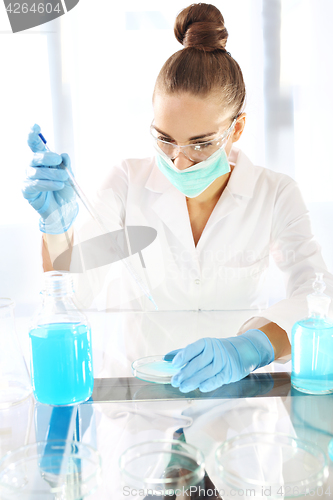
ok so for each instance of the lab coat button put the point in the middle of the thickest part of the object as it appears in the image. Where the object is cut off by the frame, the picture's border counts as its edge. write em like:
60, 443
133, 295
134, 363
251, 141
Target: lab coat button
197, 282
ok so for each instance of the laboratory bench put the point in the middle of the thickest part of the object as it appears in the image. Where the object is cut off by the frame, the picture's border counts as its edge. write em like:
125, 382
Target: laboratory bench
124, 411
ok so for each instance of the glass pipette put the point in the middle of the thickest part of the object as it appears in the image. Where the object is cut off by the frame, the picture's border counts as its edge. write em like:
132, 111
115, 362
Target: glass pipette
98, 220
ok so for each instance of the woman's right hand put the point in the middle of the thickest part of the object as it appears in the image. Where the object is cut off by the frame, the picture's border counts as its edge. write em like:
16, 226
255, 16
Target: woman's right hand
47, 187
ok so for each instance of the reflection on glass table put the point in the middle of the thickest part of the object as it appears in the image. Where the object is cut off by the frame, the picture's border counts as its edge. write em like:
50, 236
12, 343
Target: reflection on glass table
126, 412
312, 418
132, 389
58, 465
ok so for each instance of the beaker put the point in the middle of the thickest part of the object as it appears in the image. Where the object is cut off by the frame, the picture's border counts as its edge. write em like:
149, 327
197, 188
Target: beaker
16, 425
14, 377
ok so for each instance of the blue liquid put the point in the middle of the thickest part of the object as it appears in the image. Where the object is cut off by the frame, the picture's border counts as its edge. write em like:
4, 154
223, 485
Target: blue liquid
61, 363
312, 356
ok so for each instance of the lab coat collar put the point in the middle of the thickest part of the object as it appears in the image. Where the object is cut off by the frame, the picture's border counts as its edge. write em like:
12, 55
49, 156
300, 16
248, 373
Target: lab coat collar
244, 175
241, 182
172, 210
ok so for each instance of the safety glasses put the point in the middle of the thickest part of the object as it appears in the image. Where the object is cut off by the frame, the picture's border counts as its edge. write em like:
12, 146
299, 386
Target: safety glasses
198, 151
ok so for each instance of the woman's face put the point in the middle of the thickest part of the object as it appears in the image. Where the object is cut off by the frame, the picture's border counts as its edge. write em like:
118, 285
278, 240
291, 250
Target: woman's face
185, 118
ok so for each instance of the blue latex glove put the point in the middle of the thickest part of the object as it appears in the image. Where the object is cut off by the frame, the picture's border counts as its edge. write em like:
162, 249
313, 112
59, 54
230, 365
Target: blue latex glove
47, 189
211, 363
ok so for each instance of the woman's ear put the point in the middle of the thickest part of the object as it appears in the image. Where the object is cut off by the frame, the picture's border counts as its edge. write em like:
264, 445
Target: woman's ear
239, 127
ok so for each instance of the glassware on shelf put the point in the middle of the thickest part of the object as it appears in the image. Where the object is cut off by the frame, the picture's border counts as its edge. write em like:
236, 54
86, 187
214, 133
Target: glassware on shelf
15, 383
16, 423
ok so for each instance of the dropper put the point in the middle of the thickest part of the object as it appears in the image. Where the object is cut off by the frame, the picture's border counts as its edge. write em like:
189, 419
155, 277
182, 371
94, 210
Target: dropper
98, 220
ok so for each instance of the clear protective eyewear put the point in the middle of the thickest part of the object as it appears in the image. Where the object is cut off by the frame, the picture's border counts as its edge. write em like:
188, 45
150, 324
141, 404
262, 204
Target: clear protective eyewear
198, 151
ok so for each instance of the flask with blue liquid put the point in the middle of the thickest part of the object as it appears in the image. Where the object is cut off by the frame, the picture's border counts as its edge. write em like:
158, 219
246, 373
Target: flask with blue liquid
312, 345
60, 345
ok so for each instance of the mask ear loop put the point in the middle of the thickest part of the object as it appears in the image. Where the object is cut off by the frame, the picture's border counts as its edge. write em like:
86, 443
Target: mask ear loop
231, 131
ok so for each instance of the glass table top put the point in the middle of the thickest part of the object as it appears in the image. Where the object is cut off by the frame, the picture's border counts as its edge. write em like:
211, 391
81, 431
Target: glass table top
124, 411
127, 411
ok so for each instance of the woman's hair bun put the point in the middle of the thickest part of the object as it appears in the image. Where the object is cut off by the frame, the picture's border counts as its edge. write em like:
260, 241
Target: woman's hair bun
201, 26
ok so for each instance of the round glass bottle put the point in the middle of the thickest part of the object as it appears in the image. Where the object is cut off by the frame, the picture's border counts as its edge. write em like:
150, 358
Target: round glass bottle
60, 345
312, 345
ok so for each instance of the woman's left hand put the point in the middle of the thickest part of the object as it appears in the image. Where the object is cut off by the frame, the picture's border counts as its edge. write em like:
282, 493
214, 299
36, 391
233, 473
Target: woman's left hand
210, 363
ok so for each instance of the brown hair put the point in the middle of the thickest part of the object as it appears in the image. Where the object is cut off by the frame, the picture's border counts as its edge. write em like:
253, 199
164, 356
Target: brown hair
204, 65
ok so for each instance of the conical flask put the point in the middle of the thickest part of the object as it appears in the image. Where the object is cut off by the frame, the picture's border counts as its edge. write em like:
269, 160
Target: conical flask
15, 383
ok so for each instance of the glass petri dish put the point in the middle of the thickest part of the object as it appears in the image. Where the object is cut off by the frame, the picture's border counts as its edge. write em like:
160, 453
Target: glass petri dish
154, 369
272, 464
49, 470
162, 466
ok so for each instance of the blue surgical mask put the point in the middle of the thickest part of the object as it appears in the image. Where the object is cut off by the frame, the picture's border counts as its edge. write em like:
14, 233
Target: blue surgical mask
194, 180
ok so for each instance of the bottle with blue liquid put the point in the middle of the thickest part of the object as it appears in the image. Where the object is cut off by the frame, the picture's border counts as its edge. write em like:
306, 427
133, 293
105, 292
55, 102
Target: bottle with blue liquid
60, 345
312, 345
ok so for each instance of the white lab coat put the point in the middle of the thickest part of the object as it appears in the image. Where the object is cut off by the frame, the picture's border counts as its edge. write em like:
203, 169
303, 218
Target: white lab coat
260, 213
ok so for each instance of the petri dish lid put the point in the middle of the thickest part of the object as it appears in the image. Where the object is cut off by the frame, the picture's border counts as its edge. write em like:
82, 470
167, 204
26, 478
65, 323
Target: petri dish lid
162, 465
281, 463
154, 369
50, 469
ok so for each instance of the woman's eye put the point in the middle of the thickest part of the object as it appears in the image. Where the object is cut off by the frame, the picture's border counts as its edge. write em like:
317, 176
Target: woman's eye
165, 139
201, 145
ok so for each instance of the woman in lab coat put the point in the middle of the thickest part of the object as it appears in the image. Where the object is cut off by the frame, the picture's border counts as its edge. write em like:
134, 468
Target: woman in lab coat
217, 216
